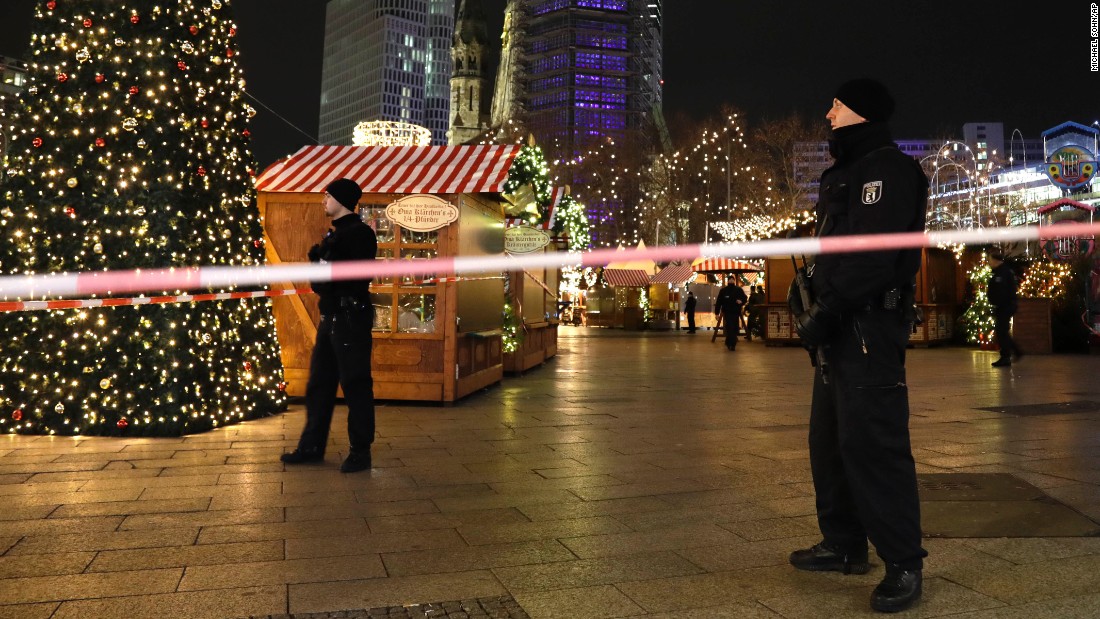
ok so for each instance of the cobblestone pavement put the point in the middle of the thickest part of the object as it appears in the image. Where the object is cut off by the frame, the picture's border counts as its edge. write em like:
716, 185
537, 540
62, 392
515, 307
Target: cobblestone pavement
501, 607
652, 475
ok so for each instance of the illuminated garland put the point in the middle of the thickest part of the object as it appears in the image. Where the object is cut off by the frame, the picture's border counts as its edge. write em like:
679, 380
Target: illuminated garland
134, 152
1046, 279
760, 226
513, 334
978, 319
529, 169
571, 221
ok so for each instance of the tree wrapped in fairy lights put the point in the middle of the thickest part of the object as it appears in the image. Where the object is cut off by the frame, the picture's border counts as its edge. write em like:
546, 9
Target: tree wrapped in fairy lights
133, 152
978, 320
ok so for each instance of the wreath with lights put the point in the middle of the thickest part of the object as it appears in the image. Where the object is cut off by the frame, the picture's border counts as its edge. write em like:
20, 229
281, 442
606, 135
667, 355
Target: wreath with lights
529, 169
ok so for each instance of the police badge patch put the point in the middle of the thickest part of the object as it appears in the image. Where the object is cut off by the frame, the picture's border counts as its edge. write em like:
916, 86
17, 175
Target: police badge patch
872, 192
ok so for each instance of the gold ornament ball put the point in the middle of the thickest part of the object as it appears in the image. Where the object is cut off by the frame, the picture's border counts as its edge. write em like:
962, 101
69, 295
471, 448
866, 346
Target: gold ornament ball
141, 143
72, 182
98, 248
105, 383
60, 408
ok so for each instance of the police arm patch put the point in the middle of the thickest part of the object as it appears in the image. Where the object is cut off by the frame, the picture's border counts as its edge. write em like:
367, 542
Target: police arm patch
872, 192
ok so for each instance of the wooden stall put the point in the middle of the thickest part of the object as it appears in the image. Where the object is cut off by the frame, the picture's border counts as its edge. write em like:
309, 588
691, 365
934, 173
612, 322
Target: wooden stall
619, 303
433, 341
535, 294
936, 298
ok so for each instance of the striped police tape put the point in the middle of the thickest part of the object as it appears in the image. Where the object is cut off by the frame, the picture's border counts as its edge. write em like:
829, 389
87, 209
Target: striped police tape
63, 285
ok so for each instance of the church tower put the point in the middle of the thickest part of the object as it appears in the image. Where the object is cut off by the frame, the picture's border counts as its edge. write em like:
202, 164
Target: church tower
469, 99
508, 92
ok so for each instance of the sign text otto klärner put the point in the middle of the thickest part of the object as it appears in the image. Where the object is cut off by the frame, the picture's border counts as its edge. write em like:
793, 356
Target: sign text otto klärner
524, 240
422, 213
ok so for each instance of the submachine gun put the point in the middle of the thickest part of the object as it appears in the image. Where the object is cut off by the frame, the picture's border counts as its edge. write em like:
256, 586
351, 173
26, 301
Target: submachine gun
802, 275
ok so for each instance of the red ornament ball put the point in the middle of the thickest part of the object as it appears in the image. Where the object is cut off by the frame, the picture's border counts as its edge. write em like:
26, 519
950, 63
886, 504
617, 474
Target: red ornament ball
281, 386
134, 19
205, 123
232, 32
193, 30
228, 53
51, 5
182, 65
62, 77
133, 90
247, 365
36, 142
258, 243
100, 142
201, 171
99, 78
70, 211
88, 23
17, 414
122, 423
246, 133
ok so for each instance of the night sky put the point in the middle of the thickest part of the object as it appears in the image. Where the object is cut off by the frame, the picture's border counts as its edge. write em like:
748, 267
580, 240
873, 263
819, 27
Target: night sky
948, 62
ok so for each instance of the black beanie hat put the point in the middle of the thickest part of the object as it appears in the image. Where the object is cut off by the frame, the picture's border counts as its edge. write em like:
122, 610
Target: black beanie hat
868, 98
346, 192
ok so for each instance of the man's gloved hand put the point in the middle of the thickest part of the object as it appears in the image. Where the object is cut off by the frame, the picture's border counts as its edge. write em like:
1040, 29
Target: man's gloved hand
794, 298
815, 325
314, 253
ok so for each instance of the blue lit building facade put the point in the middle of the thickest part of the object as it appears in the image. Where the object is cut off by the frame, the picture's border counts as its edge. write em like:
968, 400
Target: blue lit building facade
592, 67
386, 60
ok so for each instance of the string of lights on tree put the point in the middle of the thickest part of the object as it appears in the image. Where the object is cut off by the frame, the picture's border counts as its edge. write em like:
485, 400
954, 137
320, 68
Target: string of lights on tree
978, 320
133, 151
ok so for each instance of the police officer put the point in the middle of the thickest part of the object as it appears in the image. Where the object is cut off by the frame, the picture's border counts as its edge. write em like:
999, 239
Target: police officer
342, 352
1002, 295
731, 298
860, 455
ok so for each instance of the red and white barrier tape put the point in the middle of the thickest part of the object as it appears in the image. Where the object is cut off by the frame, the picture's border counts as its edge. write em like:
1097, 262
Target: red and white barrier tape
27, 306
192, 278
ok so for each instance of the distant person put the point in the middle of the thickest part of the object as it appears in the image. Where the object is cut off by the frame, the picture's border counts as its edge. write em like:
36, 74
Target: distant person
342, 352
689, 309
1002, 295
731, 300
756, 313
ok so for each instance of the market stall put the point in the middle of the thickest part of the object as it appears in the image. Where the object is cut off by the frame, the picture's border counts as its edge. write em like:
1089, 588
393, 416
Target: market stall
532, 293
936, 298
667, 290
433, 340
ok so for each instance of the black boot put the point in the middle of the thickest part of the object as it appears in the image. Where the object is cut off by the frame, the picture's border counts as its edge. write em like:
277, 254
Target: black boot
824, 558
898, 590
301, 456
355, 462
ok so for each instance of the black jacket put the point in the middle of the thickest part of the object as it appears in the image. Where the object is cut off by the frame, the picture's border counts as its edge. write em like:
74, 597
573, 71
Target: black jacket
873, 188
349, 239
689, 304
1002, 289
730, 300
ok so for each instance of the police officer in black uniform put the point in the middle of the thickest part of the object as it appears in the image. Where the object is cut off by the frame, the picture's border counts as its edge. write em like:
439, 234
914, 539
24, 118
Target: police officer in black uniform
342, 352
731, 299
860, 455
1002, 295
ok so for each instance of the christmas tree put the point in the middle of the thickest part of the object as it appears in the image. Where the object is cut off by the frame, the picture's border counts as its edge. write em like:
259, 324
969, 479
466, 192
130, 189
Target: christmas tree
978, 318
132, 151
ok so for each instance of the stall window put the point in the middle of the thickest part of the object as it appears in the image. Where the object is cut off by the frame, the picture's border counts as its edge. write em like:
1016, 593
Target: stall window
404, 304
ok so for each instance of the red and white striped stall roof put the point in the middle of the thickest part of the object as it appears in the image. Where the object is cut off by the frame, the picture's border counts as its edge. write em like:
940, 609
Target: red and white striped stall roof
724, 265
555, 198
394, 169
626, 277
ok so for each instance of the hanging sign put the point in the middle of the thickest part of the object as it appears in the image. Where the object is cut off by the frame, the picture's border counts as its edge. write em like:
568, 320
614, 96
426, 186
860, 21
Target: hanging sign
422, 213
524, 240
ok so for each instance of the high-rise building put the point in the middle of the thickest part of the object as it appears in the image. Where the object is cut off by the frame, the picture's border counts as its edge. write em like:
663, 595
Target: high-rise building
13, 74
592, 69
386, 60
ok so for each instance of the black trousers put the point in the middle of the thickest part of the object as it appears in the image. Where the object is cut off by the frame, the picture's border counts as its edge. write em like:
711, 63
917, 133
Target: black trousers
691, 321
862, 462
732, 324
1003, 330
341, 357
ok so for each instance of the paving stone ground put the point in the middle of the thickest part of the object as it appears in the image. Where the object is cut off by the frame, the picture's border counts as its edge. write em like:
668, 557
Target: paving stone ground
648, 475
